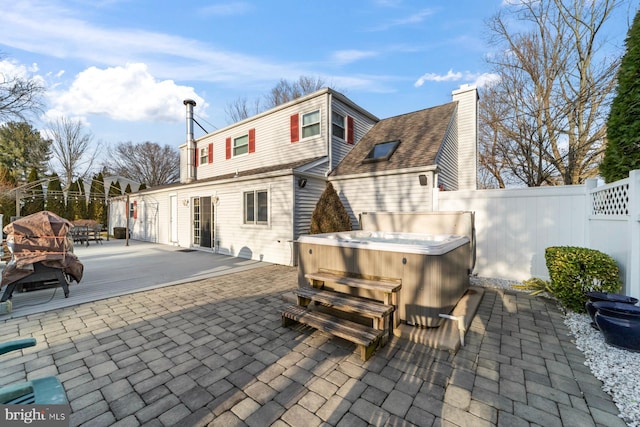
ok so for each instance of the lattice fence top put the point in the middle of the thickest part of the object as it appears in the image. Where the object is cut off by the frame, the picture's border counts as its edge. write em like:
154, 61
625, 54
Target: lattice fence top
611, 201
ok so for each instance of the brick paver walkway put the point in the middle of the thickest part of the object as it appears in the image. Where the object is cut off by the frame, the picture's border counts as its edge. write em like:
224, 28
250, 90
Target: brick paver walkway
214, 353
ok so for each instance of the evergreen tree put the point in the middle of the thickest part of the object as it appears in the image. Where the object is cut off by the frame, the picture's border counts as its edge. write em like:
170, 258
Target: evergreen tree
82, 208
623, 126
127, 189
22, 148
115, 189
97, 204
7, 199
55, 197
330, 215
73, 202
34, 197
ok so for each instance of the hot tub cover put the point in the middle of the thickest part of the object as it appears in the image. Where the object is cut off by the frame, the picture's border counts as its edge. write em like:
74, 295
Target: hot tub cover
40, 237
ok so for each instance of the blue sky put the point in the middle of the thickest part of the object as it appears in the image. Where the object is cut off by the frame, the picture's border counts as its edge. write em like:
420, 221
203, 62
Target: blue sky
124, 66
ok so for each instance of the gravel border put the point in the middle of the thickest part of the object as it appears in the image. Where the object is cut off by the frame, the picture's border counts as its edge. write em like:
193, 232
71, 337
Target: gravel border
618, 369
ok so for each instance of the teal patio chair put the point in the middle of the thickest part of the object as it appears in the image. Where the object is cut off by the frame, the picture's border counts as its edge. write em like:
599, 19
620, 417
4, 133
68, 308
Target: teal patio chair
40, 391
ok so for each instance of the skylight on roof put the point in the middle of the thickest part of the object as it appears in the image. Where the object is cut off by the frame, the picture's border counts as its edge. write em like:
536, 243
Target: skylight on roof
381, 151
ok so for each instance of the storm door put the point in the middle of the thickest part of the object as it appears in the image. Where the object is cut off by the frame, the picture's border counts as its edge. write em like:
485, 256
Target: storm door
203, 222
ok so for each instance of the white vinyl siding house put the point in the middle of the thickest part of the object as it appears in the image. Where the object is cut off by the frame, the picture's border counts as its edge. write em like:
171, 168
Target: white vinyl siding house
251, 187
400, 162
399, 191
255, 183
270, 135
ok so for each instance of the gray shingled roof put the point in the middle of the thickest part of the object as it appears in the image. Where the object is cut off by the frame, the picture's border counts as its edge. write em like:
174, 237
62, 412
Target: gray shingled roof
421, 134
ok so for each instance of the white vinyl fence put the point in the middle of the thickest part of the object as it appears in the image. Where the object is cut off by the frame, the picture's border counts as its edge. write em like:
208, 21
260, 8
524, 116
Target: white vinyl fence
515, 226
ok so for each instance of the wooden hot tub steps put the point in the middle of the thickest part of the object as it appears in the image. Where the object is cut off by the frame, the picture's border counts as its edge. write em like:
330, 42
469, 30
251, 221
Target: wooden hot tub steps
365, 337
389, 289
378, 312
356, 282
343, 302
345, 307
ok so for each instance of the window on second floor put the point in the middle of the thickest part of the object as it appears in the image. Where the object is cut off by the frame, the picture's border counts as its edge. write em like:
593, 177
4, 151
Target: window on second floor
311, 124
245, 144
240, 145
337, 125
204, 156
256, 207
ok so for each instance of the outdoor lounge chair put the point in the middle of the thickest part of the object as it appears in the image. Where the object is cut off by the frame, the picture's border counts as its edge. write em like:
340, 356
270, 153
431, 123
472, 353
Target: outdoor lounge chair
41, 391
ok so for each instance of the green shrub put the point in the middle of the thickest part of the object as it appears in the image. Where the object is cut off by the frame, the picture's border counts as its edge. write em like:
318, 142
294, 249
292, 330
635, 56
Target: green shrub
574, 271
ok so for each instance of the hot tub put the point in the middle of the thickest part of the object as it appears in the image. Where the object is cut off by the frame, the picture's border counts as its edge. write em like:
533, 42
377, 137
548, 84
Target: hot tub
433, 268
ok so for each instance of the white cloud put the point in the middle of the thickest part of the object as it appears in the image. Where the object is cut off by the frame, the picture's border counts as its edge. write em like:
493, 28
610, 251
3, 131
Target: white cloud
433, 77
478, 79
486, 79
348, 56
49, 28
10, 69
128, 93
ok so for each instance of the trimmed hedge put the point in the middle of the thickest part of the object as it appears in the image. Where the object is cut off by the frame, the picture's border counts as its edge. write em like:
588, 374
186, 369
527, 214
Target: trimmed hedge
573, 271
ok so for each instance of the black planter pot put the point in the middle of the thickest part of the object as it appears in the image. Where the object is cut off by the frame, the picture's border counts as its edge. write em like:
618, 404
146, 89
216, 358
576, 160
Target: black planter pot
619, 324
605, 296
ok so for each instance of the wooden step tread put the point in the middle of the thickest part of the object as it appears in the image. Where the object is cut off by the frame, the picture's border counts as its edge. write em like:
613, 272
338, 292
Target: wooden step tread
350, 331
346, 302
376, 285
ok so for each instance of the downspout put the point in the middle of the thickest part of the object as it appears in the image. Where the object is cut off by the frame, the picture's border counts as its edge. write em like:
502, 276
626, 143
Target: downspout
329, 134
191, 169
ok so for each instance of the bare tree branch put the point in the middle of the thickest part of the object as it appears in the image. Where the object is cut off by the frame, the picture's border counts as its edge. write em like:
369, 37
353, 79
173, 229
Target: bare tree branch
19, 96
71, 148
146, 162
556, 86
281, 93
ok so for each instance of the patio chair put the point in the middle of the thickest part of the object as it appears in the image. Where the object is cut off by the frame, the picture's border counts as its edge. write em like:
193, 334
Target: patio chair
40, 391
96, 230
80, 233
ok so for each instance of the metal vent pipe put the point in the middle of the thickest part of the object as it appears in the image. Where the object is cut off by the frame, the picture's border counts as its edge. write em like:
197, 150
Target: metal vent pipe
191, 149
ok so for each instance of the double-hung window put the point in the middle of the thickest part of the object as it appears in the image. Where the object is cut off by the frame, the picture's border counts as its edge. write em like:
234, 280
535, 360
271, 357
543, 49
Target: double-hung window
204, 155
256, 207
311, 124
337, 125
240, 145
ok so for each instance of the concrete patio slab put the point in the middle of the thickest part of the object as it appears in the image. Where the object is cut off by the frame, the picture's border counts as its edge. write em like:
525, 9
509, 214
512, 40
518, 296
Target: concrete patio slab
113, 268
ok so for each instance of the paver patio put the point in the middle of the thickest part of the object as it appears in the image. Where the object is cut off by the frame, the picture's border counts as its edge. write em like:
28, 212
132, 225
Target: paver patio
213, 352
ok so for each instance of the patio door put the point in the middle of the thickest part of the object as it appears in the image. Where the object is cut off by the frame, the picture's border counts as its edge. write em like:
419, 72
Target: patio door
203, 222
